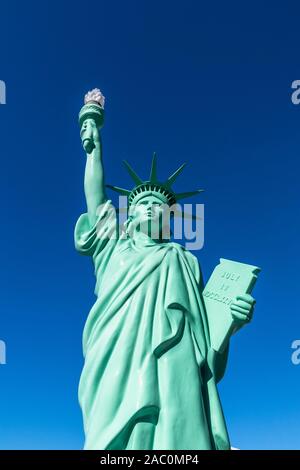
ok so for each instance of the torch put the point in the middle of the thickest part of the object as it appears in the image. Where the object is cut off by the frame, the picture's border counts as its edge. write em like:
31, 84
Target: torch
91, 115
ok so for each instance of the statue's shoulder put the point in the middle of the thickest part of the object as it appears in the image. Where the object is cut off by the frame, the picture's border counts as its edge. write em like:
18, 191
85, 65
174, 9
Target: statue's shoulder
183, 251
188, 257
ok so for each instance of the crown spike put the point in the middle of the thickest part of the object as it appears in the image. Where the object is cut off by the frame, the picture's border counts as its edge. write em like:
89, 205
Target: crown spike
123, 191
153, 177
188, 194
173, 177
132, 173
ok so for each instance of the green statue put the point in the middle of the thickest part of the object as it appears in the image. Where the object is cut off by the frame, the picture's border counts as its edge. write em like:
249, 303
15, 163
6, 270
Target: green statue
155, 341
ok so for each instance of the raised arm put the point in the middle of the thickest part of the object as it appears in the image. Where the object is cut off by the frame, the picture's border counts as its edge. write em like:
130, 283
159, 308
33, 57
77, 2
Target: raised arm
91, 118
94, 185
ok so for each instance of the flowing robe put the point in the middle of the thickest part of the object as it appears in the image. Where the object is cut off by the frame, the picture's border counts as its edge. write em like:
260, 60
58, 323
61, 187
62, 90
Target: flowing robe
149, 377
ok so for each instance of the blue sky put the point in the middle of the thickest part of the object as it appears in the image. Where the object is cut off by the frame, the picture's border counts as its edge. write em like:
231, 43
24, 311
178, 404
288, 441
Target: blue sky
209, 84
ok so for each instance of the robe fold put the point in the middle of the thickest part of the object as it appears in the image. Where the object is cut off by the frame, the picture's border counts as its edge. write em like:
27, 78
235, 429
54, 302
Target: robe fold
149, 376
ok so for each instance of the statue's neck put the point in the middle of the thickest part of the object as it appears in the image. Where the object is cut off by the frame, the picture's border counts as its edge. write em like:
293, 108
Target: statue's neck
140, 237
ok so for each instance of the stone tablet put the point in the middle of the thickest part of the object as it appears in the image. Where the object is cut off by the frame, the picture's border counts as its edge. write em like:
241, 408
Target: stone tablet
229, 279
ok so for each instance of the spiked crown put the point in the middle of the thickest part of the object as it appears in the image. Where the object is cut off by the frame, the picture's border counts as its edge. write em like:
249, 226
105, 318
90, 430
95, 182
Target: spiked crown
152, 186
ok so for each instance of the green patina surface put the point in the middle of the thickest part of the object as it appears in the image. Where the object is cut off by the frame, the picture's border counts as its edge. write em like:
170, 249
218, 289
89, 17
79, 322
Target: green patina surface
155, 342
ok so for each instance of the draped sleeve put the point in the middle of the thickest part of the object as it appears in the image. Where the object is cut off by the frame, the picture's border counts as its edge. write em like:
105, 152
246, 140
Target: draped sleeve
100, 239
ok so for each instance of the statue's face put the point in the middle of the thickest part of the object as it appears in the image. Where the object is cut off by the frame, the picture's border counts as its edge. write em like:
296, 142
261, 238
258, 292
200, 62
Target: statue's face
148, 215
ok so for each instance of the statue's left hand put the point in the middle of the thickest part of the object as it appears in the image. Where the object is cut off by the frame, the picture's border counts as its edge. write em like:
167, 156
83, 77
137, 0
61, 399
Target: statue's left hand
242, 309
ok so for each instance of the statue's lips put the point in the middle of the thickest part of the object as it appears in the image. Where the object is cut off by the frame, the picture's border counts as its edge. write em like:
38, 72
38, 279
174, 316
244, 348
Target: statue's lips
148, 216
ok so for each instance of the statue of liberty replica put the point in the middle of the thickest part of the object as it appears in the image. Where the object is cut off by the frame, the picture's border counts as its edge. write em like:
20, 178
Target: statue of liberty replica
156, 340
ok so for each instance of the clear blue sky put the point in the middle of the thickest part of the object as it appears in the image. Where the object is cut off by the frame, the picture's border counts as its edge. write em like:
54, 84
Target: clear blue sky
194, 81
